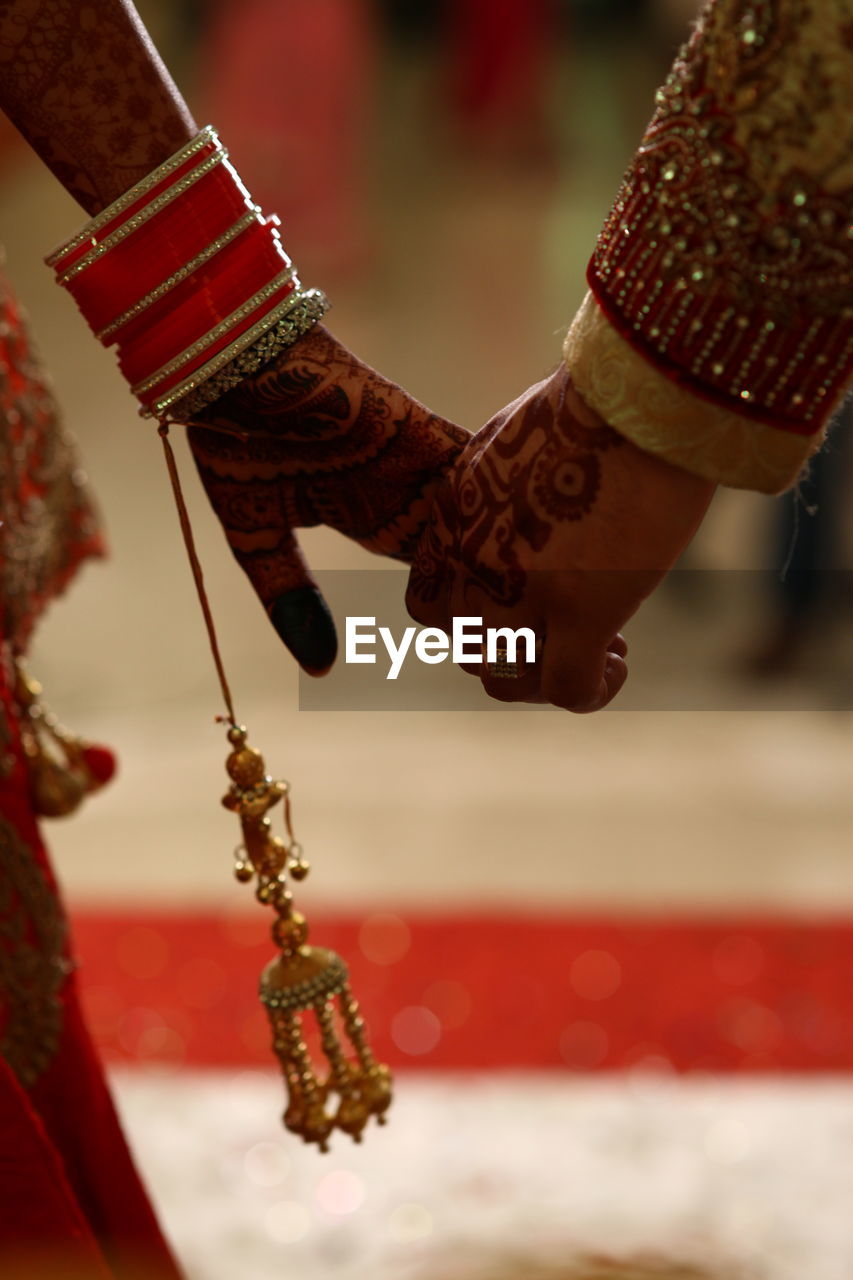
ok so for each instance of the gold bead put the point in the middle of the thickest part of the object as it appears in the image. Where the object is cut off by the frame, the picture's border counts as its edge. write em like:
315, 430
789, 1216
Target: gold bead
294, 1116
56, 791
377, 1089
351, 1116
317, 1124
273, 857
246, 766
291, 932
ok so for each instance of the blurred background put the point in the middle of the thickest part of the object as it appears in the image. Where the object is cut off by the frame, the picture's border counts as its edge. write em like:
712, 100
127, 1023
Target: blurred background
609, 958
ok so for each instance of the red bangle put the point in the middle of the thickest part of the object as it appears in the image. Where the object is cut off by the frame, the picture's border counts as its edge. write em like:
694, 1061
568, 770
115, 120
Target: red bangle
253, 262
194, 358
204, 148
182, 273
144, 312
113, 281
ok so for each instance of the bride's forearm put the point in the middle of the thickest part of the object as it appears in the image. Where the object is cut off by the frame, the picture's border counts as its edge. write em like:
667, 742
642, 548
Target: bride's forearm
84, 84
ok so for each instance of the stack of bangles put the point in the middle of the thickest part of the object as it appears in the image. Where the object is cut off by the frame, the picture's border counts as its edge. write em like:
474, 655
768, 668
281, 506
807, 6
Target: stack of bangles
189, 280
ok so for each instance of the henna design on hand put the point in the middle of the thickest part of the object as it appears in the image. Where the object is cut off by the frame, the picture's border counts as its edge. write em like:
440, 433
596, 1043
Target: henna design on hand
85, 86
527, 472
317, 437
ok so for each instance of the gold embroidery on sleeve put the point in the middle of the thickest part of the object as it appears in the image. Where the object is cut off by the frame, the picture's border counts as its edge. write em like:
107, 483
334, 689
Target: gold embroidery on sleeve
728, 256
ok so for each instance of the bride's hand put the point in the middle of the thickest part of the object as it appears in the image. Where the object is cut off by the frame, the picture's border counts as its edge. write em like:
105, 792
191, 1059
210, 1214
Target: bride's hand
318, 437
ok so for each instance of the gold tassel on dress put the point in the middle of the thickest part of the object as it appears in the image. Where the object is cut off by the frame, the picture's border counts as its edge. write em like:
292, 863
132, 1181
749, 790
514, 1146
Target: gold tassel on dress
303, 978
62, 768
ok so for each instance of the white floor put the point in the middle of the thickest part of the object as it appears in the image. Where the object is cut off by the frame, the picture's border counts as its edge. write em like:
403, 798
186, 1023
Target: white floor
752, 1178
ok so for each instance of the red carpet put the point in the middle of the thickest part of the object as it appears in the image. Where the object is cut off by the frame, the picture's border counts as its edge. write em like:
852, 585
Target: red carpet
489, 991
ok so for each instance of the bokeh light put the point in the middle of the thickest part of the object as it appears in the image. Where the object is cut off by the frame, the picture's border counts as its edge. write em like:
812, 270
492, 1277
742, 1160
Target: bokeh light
595, 975
409, 1223
340, 1193
384, 938
415, 1030
266, 1164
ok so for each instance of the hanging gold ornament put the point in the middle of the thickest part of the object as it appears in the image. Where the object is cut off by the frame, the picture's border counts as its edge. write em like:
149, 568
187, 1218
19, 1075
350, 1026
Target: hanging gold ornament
303, 978
62, 768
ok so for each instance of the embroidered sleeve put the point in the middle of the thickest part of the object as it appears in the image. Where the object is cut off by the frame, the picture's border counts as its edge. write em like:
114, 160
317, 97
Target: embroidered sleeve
719, 330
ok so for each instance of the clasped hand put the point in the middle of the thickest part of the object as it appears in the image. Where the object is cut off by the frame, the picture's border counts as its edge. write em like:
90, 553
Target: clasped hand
546, 519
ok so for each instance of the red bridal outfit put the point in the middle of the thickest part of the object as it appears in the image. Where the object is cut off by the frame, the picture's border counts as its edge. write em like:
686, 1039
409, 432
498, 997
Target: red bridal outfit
718, 330
71, 1203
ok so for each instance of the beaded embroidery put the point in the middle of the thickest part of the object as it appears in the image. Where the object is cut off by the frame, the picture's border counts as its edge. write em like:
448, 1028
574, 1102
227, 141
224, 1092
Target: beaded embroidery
728, 256
665, 417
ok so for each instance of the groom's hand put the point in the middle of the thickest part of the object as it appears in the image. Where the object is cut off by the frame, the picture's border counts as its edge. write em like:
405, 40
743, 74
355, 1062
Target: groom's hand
550, 520
318, 437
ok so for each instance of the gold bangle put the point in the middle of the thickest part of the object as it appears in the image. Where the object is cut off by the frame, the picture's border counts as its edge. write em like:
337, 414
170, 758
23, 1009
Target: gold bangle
282, 333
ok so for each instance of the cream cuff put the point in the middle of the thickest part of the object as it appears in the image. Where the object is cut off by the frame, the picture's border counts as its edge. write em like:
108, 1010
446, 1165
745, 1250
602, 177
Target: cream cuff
666, 419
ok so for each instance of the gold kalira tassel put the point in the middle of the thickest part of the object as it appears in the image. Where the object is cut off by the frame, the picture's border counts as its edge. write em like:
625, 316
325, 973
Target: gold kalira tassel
303, 977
